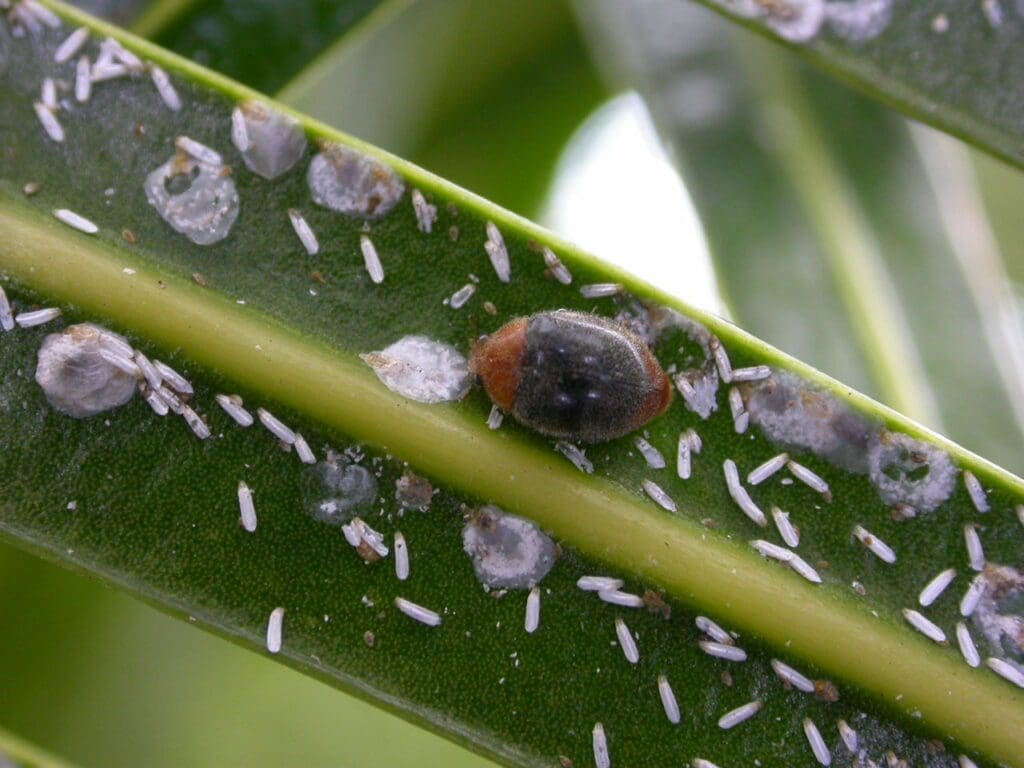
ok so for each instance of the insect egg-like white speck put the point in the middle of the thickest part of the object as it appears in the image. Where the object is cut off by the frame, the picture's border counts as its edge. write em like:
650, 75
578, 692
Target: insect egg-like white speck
967, 647
934, 588
786, 529
75, 221
848, 735
71, 45
532, 619
598, 584
924, 625
819, 749
232, 407
461, 296
713, 630
975, 552
418, 612
83, 79
875, 545
6, 316
599, 742
722, 651
791, 676
739, 715
1006, 670
622, 599
371, 259
668, 700
763, 471
558, 270
976, 492
274, 629
199, 151
651, 454
276, 426
626, 642
246, 507
37, 317
497, 252
972, 596
401, 557
303, 451
658, 495
303, 230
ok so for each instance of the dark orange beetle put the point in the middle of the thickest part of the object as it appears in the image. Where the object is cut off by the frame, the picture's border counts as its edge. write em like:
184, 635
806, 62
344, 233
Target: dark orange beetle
571, 375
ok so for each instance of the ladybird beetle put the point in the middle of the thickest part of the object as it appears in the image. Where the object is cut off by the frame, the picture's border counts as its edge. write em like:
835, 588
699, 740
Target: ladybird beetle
571, 375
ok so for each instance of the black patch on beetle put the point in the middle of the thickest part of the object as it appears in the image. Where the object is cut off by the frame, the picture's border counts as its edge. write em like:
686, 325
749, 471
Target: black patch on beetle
582, 377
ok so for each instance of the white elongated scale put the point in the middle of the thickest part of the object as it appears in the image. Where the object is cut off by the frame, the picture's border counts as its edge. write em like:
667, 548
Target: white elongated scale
599, 742
969, 602
75, 221
165, 88
975, 490
558, 270
763, 471
714, 631
371, 259
274, 629
875, 545
599, 583
303, 231
600, 290
622, 599
668, 700
967, 647
532, 619
848, 735
276, 426
1006, 670
791, 676
49, 122
785, 527
6, 315
401, 557
171, 377
576, 456
71, 45
658, 495
246, 507
819, 749
418, 612
232, 405
808, 477
739, 715
303, 451
626, 642
934, 588
651, 454
497, 252
198, 150
975, 552
924, 625
740, 496
37, 317
723, 651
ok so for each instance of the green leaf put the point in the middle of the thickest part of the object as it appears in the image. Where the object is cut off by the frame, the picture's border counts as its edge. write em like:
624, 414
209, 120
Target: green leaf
17, 753
848, 217
155, 509
953, 65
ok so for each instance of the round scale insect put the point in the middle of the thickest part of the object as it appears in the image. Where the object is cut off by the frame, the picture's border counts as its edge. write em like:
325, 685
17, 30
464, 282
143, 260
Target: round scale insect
571, 375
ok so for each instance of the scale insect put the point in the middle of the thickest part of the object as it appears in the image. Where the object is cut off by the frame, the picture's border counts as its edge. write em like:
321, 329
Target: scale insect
571, 375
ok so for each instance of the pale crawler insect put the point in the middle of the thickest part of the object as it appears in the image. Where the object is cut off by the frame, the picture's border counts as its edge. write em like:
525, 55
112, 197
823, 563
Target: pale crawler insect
246, 507
76, 377
848, 735
739, 715
875, 545
934, 588
497, 252
599, 583
274, 630
789, 532
976, 491
967, 647
371, 259
37, 316
555, 266
975, 552
620, 598
275, 426
599, 742
626, 642
924, 625
532, 619
819, 749
194, 197
723, 651
508, 552
421, 369
342, 179
792, 677
418, 612
270, 142
651, 454
232, 405
75, 221
668, 700
763, 471
401, 557
303, 231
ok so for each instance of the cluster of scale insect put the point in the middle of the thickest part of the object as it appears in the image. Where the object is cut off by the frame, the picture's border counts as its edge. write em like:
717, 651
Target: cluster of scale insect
85, 370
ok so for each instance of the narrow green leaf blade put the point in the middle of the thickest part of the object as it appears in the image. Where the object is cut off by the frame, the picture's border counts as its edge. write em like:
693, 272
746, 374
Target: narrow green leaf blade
155, 510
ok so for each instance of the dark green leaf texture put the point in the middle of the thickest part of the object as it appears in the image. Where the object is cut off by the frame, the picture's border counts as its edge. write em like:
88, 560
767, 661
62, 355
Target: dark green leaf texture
951, 64
154, 509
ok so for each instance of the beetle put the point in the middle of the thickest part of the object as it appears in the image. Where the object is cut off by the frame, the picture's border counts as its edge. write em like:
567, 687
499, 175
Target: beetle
571, 375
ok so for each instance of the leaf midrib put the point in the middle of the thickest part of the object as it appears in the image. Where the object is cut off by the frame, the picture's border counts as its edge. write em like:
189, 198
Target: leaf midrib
597, 517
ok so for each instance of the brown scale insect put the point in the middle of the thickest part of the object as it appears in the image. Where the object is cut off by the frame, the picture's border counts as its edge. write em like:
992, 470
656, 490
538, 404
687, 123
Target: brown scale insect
571, 375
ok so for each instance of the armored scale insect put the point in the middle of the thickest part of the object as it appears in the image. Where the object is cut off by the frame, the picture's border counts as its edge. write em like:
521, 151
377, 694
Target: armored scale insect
572, 375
